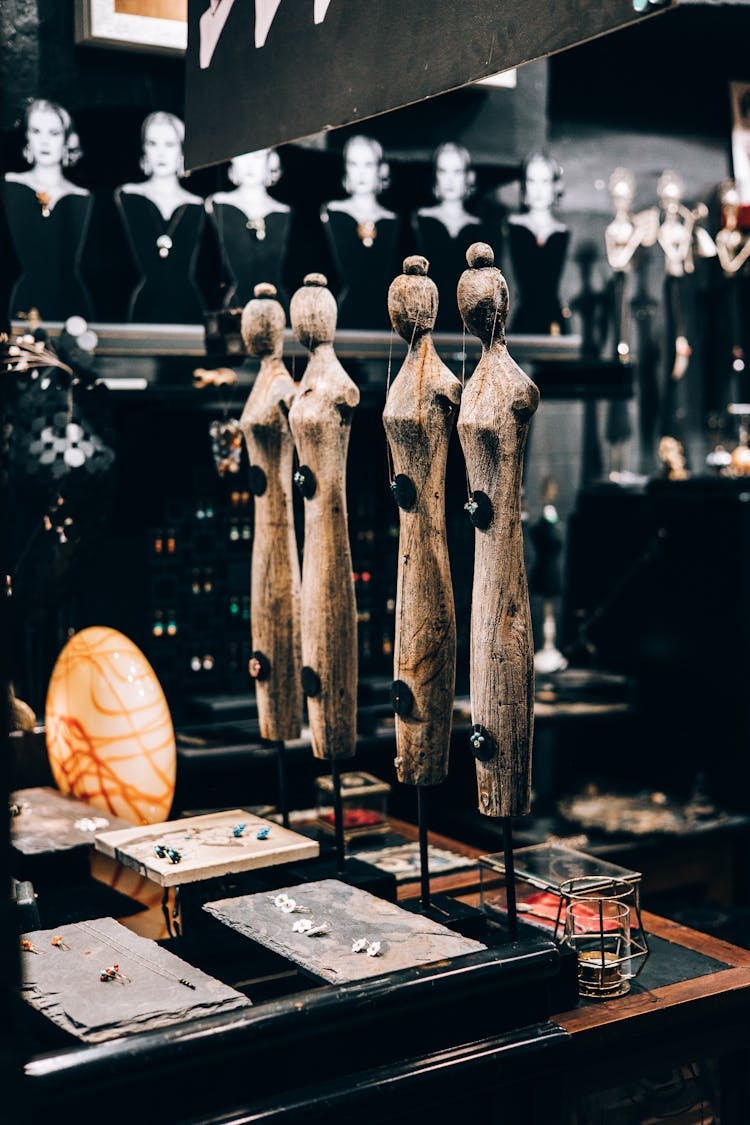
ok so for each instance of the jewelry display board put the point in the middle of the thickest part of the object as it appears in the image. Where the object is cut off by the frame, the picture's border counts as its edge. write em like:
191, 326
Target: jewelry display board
208, 846
359, 936
152, 989
48, 821
402, 860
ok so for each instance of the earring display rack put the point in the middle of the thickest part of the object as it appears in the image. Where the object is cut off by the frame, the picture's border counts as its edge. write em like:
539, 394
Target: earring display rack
208, 847
405, 940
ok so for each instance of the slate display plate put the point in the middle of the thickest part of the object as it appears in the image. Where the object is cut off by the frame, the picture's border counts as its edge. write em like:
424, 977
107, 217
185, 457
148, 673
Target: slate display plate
207, 846
47, 822
406, 939
403, 861
64, 984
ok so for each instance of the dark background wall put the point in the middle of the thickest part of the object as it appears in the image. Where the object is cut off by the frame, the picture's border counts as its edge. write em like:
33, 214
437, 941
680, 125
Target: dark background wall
650, 97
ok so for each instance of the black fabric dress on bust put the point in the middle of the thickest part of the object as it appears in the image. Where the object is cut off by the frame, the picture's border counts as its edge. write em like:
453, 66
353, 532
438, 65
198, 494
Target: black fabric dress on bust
167, 292
447, 257
537, 270
252, 250
365, 272
49, 249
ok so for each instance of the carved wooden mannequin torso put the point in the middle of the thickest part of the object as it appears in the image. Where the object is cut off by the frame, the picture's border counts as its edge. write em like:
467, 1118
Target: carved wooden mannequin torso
275, 583
419, 416
496, 408
320, 420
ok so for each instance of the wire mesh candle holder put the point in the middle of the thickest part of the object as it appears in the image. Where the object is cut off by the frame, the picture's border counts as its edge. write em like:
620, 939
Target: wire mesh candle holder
601, 922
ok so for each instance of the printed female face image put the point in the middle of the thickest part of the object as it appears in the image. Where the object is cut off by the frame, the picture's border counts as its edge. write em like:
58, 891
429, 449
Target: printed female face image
451, 176
45, 138
362, 169
251, 169
539, 188
162, 149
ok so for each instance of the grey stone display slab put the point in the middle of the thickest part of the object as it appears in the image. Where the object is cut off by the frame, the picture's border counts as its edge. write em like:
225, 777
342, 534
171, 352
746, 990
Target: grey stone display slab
64, 984
50, 822
406, 939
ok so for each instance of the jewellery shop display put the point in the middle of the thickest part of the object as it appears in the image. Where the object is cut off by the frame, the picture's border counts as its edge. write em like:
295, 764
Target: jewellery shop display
304, 926
132, 955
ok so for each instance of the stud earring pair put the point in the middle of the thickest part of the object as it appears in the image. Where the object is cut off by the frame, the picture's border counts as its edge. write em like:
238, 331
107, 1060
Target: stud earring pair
371, 948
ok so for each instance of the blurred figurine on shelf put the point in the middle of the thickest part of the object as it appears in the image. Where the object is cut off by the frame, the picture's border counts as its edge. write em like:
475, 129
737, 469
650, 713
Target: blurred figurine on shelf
680, 238
672, 459
163, 223
623, 237
363, 236
592, 307
252, 227
538, 244
732, 242
733, 249
445, 232
48, 217
739, 465
545, 579
645, 309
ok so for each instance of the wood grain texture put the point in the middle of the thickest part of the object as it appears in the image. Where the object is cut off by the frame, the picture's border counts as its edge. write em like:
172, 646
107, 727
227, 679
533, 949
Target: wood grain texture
418, 418
275, 575
497, 405
320, 419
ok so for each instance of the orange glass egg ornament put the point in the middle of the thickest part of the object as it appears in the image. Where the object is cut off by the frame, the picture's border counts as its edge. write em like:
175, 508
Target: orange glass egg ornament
110, 738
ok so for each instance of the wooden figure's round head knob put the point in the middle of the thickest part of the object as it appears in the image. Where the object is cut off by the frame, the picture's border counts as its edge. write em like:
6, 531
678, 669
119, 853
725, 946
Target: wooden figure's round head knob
483, 295
313, 312
263, 322
413, 299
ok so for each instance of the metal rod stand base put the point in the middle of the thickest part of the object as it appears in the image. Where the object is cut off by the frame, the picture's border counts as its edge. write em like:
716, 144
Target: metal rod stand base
424, 862
510, 877
338, 818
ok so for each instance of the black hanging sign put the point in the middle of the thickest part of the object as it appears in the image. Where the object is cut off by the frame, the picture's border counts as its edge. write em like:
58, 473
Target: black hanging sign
261, 72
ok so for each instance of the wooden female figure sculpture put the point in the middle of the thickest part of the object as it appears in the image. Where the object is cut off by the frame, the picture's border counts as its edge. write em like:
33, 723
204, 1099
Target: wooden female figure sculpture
320, 420
497, 404
275, 583
419, 415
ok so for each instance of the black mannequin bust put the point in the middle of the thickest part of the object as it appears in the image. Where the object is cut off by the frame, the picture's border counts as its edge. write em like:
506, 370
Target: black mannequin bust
163, 222
252, 227
445, 232
48, 217
363, 236
538, 245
